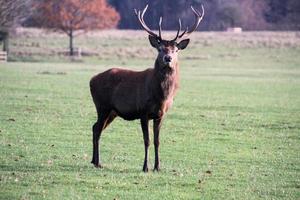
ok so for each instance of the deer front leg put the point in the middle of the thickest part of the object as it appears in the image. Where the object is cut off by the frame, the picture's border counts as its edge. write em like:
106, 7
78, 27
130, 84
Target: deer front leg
156, 128
145, 125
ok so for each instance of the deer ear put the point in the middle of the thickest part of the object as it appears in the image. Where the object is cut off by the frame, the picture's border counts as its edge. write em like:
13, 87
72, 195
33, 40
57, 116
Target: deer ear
183, 44
154, 41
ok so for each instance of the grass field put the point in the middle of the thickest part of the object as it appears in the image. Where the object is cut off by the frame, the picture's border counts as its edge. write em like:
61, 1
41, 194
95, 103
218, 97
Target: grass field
233, 132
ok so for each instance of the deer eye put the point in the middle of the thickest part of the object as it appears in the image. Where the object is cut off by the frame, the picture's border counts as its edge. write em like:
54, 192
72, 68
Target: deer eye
160, 49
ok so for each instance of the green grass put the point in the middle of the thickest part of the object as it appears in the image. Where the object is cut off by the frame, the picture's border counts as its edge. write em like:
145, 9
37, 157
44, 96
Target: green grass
233, 131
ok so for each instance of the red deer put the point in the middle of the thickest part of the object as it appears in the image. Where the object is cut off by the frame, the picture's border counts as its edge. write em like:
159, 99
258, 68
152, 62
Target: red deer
145, 95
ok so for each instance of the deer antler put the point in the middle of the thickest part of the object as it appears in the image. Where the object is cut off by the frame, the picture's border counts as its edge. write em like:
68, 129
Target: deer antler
186, 32
140, 16
178, 31
159, 29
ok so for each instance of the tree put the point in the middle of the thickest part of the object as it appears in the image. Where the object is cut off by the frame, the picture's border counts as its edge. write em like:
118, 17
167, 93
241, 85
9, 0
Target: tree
254, 14
284, 14
73, 16
277, 10
229, 16
11, 13
293, 14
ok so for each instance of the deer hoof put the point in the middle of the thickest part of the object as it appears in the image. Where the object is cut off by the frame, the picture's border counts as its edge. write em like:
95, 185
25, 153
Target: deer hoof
97, 165
156, 169
145, 169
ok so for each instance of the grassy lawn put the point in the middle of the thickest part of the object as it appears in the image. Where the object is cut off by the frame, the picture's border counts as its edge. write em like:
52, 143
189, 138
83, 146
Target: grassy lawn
233, 131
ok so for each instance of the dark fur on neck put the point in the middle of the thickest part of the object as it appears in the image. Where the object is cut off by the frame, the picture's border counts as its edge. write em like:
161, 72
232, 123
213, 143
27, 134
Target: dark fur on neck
166, 80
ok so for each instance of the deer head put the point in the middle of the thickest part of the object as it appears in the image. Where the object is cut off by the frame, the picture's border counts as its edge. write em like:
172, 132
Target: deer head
168, 49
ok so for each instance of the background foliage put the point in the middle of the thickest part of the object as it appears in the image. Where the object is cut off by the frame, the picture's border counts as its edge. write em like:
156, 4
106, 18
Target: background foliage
220, 14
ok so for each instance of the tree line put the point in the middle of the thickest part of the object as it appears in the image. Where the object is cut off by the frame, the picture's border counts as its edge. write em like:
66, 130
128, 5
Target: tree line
219, 14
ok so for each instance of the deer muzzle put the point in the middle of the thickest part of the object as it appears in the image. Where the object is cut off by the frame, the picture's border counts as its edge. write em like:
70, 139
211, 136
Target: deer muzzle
167, 59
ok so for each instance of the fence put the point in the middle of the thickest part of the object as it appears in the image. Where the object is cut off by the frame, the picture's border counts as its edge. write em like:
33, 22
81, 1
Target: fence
3, 56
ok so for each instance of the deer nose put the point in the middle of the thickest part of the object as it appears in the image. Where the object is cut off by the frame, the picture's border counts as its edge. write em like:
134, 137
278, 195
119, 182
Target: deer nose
167, 58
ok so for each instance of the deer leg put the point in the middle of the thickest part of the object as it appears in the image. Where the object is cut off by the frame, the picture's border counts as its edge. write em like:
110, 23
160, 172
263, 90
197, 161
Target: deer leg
145, 125
98, 127
110, 118
156, 128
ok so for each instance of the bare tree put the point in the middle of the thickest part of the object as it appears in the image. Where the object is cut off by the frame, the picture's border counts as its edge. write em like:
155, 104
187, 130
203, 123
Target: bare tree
11, 13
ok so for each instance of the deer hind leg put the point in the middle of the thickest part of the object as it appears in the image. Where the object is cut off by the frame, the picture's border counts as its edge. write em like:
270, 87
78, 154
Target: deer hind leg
111, 117
98, 127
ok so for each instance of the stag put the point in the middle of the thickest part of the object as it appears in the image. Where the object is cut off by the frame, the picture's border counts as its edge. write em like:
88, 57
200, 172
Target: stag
145, 95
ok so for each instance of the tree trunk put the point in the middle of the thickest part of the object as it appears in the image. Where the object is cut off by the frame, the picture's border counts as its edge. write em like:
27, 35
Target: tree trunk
71, 43
5, 43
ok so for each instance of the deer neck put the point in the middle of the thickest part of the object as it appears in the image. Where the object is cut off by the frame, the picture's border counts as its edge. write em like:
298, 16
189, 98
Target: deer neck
165, 80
